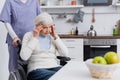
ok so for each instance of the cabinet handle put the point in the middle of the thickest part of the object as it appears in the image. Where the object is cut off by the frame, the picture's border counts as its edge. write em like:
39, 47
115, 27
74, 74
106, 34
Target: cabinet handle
100, 46
70, 47
70, 40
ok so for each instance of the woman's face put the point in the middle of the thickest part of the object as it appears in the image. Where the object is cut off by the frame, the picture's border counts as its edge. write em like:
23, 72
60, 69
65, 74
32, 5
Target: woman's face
46, 30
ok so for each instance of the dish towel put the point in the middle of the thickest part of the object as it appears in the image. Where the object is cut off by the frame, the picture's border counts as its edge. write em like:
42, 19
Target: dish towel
78, 16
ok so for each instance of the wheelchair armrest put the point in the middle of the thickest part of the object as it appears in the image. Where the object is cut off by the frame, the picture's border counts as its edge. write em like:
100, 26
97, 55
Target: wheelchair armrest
63, 60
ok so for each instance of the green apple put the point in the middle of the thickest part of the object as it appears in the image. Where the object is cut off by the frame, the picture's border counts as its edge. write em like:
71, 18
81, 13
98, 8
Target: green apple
119, 59
99, 60
111, 57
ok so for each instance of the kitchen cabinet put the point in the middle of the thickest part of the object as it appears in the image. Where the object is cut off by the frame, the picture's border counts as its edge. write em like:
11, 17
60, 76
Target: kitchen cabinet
75, 47
118, 46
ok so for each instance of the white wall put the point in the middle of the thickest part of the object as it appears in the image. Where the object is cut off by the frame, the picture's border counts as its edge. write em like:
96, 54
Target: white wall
106, 18
105, 21
3, 50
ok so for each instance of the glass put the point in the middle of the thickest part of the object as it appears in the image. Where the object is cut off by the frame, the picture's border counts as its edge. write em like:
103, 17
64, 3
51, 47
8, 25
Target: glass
60, 2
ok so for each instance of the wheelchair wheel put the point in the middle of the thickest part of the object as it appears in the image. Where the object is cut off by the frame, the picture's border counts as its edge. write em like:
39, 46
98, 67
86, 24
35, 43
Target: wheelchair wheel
22, 72
19, 74
14, 76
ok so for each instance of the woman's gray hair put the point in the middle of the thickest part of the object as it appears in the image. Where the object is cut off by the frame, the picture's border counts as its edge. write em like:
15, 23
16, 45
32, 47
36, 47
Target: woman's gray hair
44, 18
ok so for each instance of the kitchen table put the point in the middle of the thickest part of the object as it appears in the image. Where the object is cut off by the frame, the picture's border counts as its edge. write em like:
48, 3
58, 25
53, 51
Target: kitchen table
77, 70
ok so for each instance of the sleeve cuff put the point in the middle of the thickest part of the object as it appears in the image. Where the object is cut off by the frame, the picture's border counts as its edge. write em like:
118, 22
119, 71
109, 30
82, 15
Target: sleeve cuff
57, 40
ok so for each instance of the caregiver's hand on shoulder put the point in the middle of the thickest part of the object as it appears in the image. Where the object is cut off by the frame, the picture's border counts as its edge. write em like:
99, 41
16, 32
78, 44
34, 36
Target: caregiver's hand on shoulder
37, 30
15, 43
53, 33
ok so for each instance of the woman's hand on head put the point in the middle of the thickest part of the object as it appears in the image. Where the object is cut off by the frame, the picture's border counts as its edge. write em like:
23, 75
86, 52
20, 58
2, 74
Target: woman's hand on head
53, 33
37, 30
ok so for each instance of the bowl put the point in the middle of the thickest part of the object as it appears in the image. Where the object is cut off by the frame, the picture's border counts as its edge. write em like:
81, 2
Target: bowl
101, 71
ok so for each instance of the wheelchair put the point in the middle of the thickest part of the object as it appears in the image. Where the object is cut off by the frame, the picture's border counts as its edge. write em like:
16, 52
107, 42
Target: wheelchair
21, 72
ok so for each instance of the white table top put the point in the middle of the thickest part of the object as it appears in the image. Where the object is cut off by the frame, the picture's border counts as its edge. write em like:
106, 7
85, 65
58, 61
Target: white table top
76, 70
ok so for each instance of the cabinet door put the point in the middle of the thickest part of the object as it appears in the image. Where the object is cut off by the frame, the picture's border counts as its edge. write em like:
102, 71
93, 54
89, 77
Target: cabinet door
118, 46
75, 47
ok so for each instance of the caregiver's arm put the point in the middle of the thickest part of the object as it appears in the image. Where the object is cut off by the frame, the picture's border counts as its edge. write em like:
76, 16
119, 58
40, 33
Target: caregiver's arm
12, 33
10, 30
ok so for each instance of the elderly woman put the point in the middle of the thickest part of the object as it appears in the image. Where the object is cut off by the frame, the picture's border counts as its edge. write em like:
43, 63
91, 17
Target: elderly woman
40, 48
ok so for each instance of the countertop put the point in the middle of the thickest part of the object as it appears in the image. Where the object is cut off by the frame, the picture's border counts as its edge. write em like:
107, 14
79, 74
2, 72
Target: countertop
76, 70
88, 37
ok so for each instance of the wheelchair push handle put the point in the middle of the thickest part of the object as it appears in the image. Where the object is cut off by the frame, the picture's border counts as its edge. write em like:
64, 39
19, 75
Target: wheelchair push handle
19, 44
